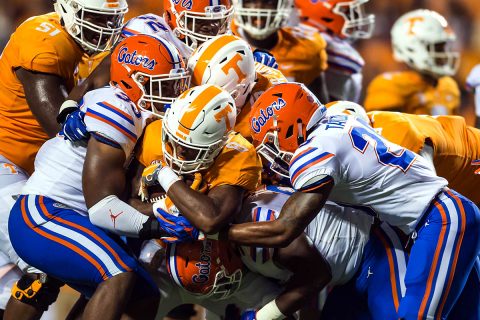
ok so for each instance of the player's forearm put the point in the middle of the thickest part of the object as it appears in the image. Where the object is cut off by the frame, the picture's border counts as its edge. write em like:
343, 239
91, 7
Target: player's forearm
198, 208
259, 234
290, 301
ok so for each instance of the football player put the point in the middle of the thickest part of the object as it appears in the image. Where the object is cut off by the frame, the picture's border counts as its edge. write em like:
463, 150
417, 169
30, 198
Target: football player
207, 273
186, 24
340, 22
330, 252
299, 51
227, 61
197, 137
347, 161
38, 67
423, 40
446, 141
473, 84
70, 208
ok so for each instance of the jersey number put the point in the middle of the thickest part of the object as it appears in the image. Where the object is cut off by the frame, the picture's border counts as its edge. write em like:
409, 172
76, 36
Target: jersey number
47, 27
362, 137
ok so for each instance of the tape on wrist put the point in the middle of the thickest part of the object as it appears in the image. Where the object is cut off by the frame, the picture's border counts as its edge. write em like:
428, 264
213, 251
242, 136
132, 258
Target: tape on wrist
270, 311
167, 177
67, 107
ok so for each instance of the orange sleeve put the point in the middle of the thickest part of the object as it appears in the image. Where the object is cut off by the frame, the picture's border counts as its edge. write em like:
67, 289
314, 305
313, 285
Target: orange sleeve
238, 164
50, 49
399, 128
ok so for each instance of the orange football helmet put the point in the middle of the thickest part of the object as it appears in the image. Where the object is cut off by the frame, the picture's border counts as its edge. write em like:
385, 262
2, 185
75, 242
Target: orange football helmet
345, 18
197, 21
149, 70
280, 120
208, 268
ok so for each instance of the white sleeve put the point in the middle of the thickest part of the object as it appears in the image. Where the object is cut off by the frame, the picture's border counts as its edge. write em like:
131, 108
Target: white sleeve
116, 216
113, 122
473, 84
311, 167
473, 79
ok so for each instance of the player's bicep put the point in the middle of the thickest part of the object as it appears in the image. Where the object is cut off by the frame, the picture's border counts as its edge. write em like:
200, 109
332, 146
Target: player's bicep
103, 172
45, 94
301, 208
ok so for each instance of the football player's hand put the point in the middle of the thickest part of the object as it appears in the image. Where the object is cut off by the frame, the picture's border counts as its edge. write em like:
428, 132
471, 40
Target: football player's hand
249, 315
74, 128
266, 58
178, 228
149, 178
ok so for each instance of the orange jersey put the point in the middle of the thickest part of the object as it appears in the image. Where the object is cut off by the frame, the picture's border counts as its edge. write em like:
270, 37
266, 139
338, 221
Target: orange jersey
237, 164
408, 92
455, 145
266, 77
300, 53
87, 65
39, 44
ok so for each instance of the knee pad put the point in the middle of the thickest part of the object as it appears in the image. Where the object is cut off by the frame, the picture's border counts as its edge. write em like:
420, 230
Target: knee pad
37, 290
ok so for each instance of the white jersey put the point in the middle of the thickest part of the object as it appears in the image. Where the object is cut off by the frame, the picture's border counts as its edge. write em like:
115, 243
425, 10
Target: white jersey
344, 73
154, 25
113, 119
339, 234
386, 180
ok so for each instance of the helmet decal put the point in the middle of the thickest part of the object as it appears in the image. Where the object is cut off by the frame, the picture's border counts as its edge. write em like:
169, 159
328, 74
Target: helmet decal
265, 114
132, 58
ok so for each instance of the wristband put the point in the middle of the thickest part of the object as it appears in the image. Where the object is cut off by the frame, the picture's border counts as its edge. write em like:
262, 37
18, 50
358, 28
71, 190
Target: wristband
167, 177
270, 311
67, 107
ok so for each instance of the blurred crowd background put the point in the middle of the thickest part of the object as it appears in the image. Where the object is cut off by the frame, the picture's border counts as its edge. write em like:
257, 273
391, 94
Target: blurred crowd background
463, 15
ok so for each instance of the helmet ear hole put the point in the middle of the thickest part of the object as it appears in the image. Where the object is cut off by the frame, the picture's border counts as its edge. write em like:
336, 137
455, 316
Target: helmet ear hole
126, 84
289, 132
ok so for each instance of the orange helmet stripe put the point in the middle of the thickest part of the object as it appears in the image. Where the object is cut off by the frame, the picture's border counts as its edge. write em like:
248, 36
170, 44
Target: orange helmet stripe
207, 55
191, 113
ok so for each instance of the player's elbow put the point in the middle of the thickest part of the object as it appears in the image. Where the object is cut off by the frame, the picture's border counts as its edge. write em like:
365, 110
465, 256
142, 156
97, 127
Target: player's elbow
211, 226
283, 240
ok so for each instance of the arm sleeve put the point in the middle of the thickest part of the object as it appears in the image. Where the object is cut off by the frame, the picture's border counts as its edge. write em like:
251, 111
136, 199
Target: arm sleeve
312, 167
113, 122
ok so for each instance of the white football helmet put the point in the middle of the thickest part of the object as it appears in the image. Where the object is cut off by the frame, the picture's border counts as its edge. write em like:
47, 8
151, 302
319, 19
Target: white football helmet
95, 24
347, 107
423, 40
226, 61
258, 20
196, 128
